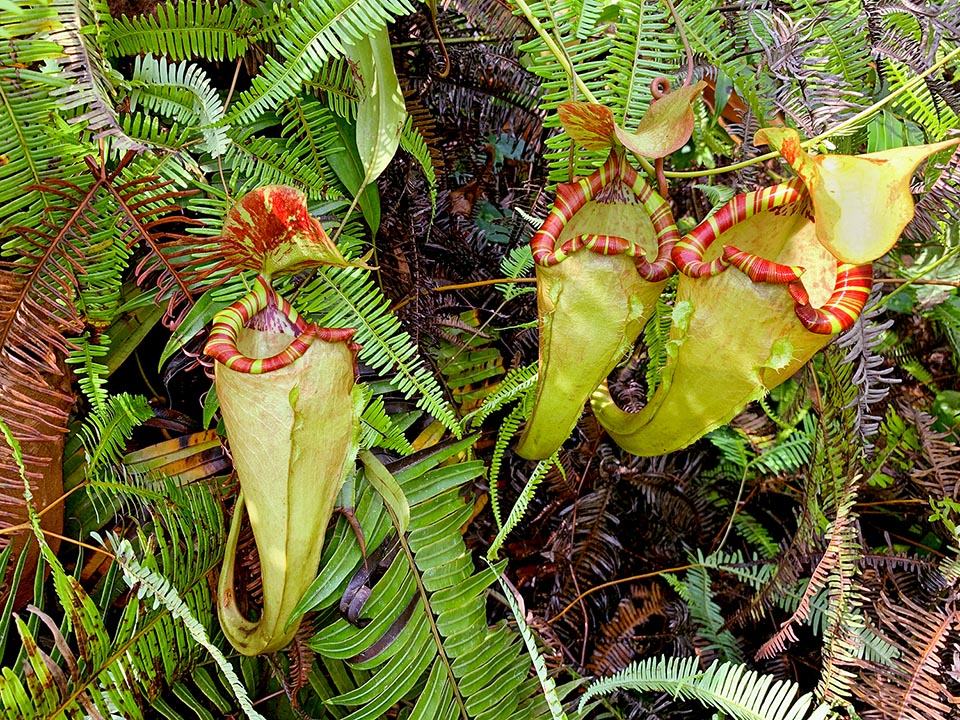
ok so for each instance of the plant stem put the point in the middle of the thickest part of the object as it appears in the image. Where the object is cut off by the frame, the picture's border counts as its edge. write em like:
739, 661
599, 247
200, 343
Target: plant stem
846, 124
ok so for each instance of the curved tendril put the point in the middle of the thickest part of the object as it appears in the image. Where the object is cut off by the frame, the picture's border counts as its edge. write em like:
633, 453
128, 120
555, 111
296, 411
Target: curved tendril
850, 294
222, 343
761, 270
689, 251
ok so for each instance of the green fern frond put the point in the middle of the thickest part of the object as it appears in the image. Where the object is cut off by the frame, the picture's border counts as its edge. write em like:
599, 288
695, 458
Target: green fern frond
718, 195
348, 297
31, 152
589, 16
696, 590
92, 374
150, 131
505, 433
539, 665
423, 635
311, 135
183, 31
317, 31
523, 501
147, 649
588, 59
790, 453
730, 688
149, 584
381, 430
181, 92
106, 432
645, 47
733, 446
255, 160
515, 264
412, 141
656, 336
336, 83
710, 37
517, 383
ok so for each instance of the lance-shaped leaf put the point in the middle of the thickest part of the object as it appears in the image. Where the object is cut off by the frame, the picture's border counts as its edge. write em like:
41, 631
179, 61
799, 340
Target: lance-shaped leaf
592, 300
861, 202
286, 391
665, 126
270, 230
381, 113
738, 333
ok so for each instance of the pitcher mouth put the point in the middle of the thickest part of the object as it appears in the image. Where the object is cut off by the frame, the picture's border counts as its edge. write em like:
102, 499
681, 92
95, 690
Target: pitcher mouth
265, 309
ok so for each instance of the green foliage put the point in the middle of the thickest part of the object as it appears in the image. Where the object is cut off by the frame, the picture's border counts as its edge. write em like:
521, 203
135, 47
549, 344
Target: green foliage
728, 687
121, 666
317, 31
348, 297
78, 218
424, 618
184, 31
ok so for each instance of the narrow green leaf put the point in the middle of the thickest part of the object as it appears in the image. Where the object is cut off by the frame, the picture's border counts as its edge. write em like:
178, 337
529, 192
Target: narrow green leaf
348, 167
388, 487
381, 113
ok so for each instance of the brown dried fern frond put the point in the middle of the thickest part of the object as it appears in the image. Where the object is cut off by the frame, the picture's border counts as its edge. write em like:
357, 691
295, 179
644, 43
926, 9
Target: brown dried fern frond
913, 686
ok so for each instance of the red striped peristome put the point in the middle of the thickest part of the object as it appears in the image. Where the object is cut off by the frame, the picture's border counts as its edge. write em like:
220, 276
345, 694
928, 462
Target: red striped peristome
571, 197
760, 270
849, 295
663, 223
222, 342
688, 252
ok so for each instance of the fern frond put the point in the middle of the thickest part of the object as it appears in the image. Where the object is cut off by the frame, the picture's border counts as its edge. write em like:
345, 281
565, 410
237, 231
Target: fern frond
728, 687
517, 383
255, 160
183, 93
716, 38
311, 135
381, 430
656, 336
90, 97
107, 430
696, 590
183, 31
92, 374
31, 153
872, 380
515, 264
348, 297
523, 501
423, 633
505, 434
317, 31
539, 665
645, 46
336, 83
412, 140
915, 687
149, 584
147, 650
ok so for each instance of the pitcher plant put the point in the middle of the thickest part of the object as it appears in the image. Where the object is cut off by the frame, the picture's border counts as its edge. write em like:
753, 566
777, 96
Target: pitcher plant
602, 257
287, 398
761, 290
